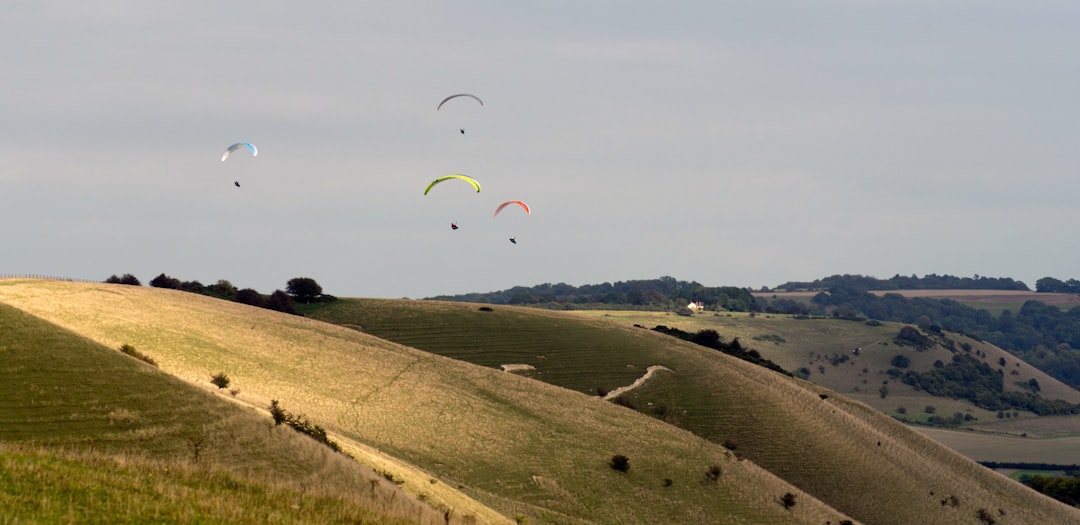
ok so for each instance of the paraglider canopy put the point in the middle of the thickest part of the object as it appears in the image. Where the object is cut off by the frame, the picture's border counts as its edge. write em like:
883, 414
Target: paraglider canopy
474, 97
465, 178
508, 203
513, 240
238, 145
237, 183
453, 226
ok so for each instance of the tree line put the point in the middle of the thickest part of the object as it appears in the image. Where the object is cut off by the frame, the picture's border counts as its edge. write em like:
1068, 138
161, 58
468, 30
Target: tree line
665, 293
303, 290
899, 282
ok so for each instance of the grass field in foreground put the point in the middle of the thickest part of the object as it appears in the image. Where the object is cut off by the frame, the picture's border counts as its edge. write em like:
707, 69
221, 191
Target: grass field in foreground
834, 448
89, 435
522, 447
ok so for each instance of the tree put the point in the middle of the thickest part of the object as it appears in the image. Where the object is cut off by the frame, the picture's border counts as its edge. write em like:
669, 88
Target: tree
303, 289
164, 281
281, 302
127, 278
251, 297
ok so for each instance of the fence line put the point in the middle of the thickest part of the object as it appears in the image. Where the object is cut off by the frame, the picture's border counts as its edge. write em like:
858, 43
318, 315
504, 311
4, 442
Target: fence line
45, 277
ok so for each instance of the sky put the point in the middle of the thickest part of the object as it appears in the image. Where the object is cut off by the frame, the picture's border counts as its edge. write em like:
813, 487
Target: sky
739, 143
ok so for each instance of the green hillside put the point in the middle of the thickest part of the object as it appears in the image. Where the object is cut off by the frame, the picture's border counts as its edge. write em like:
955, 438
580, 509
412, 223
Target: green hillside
845, 453
826, 348
529, 450
88, 435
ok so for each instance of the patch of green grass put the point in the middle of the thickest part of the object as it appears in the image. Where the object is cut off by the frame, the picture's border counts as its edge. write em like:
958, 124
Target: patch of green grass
39, 485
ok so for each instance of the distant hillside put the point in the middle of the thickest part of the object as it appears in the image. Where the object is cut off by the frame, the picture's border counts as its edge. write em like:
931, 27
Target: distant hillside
900, 282
665, 293
1046, 336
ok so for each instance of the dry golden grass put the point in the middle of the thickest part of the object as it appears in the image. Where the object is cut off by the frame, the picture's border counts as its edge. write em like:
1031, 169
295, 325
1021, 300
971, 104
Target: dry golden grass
445, 427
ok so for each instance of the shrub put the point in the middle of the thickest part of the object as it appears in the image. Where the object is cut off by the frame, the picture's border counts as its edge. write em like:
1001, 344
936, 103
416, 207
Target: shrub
712, 475
131, 351
788, 499
900, 361
220, 380
929, 409
486, 309
279, 414
620, 463
281, 302
303, 426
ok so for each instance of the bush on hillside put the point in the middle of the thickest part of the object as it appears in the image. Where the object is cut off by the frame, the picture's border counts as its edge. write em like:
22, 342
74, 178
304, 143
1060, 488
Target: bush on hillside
620, 463
220, 380
131, 351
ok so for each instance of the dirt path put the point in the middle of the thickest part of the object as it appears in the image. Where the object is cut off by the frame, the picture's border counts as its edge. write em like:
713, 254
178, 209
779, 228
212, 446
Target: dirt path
640, 381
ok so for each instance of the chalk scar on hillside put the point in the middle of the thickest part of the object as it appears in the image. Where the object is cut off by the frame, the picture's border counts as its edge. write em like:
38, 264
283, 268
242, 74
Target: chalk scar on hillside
640, 381
517, 368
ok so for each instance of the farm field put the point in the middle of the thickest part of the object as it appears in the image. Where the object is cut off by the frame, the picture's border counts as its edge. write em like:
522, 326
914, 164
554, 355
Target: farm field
1009, 449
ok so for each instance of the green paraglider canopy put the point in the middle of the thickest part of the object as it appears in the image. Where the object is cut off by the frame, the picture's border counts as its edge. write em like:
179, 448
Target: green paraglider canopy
465, 178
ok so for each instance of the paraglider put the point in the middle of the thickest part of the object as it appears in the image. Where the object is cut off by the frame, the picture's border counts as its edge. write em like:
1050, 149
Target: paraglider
237, 183
508, 203
513, 240
474, 97
469, 95
465, 178
238, 145
453, 226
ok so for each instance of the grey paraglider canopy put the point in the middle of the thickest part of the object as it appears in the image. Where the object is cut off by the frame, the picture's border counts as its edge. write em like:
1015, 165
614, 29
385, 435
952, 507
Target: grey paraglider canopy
474, 97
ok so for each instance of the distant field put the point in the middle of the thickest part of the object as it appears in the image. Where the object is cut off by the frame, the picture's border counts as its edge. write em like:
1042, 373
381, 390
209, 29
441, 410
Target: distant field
1009, 449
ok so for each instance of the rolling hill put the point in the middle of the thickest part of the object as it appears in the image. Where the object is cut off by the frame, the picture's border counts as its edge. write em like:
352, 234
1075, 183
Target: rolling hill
835, 448
453, 432
89, 435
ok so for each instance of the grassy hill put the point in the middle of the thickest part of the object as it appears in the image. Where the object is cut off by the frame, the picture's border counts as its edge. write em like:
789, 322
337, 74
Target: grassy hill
826, 348
842, 451
89, 435
527, 449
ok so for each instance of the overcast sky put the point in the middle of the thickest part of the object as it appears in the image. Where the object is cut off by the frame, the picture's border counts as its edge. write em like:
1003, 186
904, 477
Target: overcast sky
743, 143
